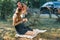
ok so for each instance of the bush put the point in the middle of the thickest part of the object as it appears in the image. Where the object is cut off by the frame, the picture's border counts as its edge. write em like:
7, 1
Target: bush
6, 7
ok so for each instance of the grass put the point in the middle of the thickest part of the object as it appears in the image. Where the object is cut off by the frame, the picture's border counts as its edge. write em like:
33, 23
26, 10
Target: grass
52, 27
6, 30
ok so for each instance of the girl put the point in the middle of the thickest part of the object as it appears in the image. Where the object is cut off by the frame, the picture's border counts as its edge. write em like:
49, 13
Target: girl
18, 20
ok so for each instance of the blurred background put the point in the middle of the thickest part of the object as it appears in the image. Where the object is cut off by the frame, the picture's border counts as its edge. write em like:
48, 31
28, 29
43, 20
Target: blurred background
43, 18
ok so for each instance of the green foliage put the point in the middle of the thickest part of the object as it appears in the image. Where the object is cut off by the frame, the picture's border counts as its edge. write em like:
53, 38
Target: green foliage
35, 3
6, 8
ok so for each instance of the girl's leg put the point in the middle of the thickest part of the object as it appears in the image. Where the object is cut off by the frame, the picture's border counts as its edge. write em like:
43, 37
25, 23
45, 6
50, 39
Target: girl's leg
30, 33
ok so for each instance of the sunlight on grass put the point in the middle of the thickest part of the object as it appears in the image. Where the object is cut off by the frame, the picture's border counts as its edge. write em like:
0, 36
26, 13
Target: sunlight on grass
52, 27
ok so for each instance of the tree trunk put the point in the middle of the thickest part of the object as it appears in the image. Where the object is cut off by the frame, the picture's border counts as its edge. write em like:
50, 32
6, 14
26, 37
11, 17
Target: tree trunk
3, 16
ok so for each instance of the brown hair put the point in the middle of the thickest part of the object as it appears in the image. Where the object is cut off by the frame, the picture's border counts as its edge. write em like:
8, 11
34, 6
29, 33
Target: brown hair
18, 15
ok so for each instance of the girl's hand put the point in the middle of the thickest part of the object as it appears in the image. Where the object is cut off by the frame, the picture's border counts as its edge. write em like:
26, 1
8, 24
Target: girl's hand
25, 20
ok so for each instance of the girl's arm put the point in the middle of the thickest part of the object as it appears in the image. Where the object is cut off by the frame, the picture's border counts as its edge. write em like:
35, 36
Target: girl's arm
16, 23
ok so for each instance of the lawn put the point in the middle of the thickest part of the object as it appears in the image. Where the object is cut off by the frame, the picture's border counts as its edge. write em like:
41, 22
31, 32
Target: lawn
51, 25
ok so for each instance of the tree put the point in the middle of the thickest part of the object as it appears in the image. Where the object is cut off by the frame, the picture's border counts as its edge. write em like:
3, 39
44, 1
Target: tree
6, 9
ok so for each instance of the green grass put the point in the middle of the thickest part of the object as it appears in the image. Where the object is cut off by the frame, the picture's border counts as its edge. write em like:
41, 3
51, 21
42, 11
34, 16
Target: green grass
52, 27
